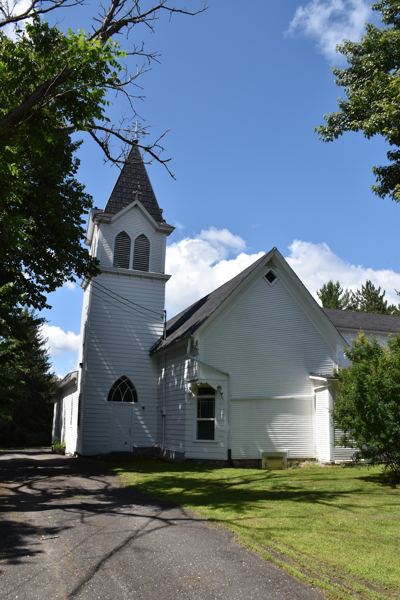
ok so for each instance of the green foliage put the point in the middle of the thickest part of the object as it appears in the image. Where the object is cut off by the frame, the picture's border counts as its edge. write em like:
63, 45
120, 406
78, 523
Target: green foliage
367, 408
336, 528
58, 447
370, 299
26, 406
41, 202
372, 85
332, 295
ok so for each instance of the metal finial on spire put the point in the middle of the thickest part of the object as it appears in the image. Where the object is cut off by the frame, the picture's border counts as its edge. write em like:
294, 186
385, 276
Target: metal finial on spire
135, 135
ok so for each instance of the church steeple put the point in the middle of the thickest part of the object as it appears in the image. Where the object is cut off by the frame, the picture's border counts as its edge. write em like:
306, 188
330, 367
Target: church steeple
134, 184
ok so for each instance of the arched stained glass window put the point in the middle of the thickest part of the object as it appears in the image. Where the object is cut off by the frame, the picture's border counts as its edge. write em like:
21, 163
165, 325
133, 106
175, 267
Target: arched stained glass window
122, 390
141, 253
122, 250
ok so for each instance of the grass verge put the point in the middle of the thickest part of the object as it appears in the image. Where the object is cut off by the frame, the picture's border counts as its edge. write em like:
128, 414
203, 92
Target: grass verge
336, 528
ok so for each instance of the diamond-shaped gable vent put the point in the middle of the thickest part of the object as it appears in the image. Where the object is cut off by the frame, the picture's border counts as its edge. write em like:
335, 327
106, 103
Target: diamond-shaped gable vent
270, 277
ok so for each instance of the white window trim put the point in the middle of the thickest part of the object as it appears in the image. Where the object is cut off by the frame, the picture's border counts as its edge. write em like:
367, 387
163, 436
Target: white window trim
150, 252
206, 397
276, 276
130, 251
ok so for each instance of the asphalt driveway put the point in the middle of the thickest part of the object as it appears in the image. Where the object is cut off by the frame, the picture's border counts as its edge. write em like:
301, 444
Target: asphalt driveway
67, 530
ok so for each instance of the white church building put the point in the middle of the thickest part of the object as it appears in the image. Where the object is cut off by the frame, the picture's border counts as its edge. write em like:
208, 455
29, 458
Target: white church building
243, 372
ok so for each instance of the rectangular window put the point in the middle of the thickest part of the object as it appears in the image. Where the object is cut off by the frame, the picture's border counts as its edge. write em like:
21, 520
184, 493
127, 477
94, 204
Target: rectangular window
205, 413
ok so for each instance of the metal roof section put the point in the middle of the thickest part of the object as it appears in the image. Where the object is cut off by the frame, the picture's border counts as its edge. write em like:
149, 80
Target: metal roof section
348, 319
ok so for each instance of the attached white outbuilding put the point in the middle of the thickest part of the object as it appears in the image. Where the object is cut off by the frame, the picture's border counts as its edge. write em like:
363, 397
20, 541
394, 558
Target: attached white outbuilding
245, 370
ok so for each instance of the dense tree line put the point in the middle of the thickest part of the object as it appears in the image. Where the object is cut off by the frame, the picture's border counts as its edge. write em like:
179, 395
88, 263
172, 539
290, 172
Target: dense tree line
368, 299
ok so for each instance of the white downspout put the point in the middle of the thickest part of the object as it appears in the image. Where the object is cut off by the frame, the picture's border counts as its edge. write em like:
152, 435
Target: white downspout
228, 407
164, 410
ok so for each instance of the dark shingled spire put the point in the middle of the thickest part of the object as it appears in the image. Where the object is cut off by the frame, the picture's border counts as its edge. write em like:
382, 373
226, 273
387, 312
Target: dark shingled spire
134, 183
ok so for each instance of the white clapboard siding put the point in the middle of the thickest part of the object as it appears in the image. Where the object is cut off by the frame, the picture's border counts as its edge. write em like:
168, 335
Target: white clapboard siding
341, 452
176, 399
134, 223
267, 343
66, 416
322, 421
272, 425
349, 336
117, 342
71, 414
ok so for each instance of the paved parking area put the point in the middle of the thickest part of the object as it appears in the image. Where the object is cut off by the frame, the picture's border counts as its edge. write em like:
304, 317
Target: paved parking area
67, 530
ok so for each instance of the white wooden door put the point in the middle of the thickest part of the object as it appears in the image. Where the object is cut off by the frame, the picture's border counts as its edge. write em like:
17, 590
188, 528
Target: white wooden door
122, 428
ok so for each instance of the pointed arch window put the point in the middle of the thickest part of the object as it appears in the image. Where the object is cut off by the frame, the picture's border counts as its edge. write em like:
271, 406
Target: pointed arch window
141, 253
122, 250
122, 390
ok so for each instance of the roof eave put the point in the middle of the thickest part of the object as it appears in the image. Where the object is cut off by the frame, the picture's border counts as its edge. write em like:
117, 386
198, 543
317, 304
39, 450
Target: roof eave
69, 378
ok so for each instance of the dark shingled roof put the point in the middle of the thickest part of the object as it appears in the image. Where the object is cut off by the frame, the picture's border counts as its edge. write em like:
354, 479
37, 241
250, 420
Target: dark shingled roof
134, 183
186, 322
348, 319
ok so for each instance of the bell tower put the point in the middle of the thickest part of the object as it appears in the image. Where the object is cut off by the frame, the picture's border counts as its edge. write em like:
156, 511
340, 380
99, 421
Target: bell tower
122, 317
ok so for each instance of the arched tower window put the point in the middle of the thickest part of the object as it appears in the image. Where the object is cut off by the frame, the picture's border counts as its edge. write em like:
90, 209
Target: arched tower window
141, 253
122, 390
122, 250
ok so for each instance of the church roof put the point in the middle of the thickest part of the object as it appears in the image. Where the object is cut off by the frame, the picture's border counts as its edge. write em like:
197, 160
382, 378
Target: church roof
134, 184
348, 319
186, 322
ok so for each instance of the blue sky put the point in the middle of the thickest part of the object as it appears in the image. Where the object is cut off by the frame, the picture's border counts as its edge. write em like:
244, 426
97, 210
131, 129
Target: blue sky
241, 88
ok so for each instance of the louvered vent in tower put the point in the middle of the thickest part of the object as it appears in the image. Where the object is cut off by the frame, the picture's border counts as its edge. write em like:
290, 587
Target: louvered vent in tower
141, 253
122, 250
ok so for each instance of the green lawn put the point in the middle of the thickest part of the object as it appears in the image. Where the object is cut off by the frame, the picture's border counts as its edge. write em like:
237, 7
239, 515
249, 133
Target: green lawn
335, 527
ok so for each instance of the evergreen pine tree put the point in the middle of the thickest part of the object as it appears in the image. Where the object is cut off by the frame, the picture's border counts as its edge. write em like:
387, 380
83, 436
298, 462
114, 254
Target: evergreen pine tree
332, 295
25, 386
370, 299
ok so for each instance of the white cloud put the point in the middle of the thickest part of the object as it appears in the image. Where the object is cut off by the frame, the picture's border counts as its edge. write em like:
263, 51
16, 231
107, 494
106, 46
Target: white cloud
201, 264
328, 22
223, 239
15, 8
58, 340
179, 226
70, 285
316, 264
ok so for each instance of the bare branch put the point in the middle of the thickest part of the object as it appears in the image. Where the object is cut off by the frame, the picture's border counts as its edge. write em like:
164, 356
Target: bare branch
154, 150
35, 7
117, 16
133, 16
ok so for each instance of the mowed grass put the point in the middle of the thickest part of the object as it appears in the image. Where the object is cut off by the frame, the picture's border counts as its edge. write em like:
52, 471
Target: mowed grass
338, 528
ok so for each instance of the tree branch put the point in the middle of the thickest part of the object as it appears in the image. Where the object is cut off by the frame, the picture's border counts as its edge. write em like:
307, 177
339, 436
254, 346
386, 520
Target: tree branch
34, 8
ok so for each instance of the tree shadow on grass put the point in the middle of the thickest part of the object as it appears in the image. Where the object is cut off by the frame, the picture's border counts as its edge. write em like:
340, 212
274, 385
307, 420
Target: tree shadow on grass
385, 479
74, 492
237, 492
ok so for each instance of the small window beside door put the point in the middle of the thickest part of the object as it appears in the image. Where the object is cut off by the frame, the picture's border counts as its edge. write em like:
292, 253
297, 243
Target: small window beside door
205, 426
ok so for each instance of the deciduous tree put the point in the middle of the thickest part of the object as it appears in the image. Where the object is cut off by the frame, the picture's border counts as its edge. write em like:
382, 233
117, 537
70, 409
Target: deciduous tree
367, 408
372, 87
53, 85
